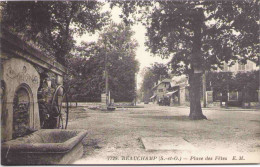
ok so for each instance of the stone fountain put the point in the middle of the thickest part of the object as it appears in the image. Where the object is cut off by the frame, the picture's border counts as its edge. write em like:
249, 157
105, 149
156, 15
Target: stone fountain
21, 66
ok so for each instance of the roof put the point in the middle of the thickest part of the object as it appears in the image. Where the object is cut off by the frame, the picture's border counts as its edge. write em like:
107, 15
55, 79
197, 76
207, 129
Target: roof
167, 80
171, 93
153, 96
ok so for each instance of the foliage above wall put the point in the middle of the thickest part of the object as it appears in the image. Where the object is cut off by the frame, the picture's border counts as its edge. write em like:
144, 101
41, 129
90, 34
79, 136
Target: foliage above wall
221, 81
53, 24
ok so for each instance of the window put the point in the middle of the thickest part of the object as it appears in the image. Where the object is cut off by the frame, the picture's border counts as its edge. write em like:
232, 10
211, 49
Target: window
233, 96
241, 67
249, 66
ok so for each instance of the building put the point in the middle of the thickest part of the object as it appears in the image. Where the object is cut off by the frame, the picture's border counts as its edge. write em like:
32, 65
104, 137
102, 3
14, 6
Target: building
172, 91
160, 90
235, 97
177, 88
237, 67
179, 91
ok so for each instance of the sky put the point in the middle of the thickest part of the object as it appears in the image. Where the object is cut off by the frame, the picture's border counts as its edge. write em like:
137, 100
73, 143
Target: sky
144, 57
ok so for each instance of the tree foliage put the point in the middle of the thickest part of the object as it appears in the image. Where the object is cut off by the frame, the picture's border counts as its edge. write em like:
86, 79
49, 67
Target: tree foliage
201, 35
221, 81
88, 67
85, 75
227, 31
204, 35
122, 67
53, 24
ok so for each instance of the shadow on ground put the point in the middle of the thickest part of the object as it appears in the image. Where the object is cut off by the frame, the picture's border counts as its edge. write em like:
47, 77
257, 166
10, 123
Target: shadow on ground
175, 118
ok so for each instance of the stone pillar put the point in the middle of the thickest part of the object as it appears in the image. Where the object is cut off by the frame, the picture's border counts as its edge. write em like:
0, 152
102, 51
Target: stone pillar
182, 95
59, 80
258, 96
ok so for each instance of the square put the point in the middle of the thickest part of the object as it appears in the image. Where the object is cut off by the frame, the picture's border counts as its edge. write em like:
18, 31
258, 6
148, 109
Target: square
166, 144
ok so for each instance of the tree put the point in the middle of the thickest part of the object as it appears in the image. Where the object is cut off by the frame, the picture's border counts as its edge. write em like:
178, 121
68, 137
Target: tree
85, 76
160, 71
52, 24
200, 36
153, 75
248, 83
88, 67
122, 65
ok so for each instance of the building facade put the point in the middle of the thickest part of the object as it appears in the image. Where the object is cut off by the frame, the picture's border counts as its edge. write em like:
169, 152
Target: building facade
179, 92
172, 91
160, 90
237, 67
237, 97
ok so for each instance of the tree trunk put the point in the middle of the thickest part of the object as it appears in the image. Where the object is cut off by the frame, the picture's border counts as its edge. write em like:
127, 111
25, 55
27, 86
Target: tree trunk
195, 106
197, 62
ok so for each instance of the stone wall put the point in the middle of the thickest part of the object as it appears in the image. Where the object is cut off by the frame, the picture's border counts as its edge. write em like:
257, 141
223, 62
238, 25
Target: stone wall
19, 74
22, 66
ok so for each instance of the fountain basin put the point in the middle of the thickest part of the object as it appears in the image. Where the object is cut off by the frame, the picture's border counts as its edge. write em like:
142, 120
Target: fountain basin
46, 146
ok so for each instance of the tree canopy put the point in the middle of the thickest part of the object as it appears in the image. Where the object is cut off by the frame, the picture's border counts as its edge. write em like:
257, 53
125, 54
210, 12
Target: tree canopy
204, 35
53, 24
221, 81
88, 67
122, 65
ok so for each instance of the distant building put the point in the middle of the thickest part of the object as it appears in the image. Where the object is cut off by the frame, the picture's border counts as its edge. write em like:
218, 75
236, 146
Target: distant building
179, 91
237, 67
177, 88
236, 96
174, 91
160, 90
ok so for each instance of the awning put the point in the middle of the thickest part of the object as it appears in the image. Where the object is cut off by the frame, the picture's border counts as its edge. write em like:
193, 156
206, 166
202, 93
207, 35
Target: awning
153, 96
171, 93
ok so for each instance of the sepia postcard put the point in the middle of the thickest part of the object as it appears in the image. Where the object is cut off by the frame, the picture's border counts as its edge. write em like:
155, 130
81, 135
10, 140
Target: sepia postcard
130, 82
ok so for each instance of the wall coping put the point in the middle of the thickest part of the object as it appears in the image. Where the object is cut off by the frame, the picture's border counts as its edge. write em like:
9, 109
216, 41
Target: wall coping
14, 46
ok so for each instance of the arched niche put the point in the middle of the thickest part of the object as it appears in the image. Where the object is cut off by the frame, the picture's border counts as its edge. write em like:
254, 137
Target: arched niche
22, 110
